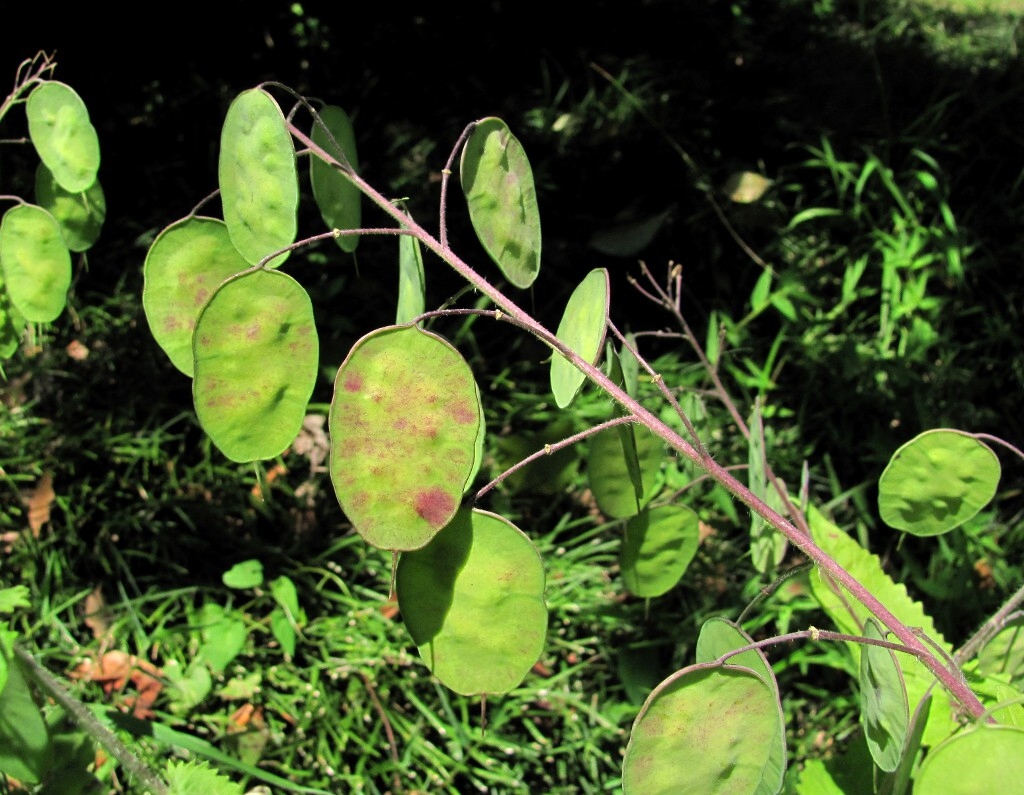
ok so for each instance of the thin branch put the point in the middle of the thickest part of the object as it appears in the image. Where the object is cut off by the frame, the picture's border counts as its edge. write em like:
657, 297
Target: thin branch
644, 416
548, 449
446, 174
665, 391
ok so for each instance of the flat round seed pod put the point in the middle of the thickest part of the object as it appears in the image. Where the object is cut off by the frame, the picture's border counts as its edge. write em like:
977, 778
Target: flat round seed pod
59, 126
405, 433
659, 545
498, 184
340, 201
186, 263
256, 362
36, 263
258, 176
582, 329
473, 601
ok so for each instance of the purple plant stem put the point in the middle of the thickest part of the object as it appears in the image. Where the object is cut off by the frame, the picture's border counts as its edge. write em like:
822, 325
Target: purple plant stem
951, 679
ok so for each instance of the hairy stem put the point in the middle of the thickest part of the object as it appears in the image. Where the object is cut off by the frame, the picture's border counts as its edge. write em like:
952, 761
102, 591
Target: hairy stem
950, 678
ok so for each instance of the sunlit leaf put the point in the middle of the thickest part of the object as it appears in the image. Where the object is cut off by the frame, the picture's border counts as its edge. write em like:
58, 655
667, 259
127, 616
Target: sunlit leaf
258, 177
746, 187
405, 430
498, 184
244, 575
849, 616
705, 729
338, 199
185, 264
58, 123
883, 701
36, 263
937, 481
473, 601
658, 547
256, 361
582, 329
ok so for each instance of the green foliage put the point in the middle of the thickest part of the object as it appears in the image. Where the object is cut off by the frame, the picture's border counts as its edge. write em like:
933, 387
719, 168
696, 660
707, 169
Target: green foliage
310, 654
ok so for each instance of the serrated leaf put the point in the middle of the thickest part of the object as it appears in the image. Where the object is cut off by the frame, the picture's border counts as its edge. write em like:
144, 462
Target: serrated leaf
582, 329
405, 429
80, 215
184, 266
244, 575
59, 126
498, 184
659, 545
191, 778
883, 701
36, 263
722, 720
473, 601
256, 362
337, 198
937, 481
867, 570
12, 598
258, 177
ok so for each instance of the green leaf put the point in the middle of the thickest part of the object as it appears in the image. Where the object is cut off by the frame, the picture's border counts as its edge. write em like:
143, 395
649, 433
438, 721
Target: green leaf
411, 280
59, 126
224, 636
338, 199
283, 630
404, 428
258, 177
473, 601
190, 778
7, 638
718, 636
937, 481
609, 477
12, 598
849, 616
186, 263
581, 329
36, 263
706, 729
983, 759
498, 184
256, 362
658, 547
25, 749
244, 575
80, 215
883, 701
